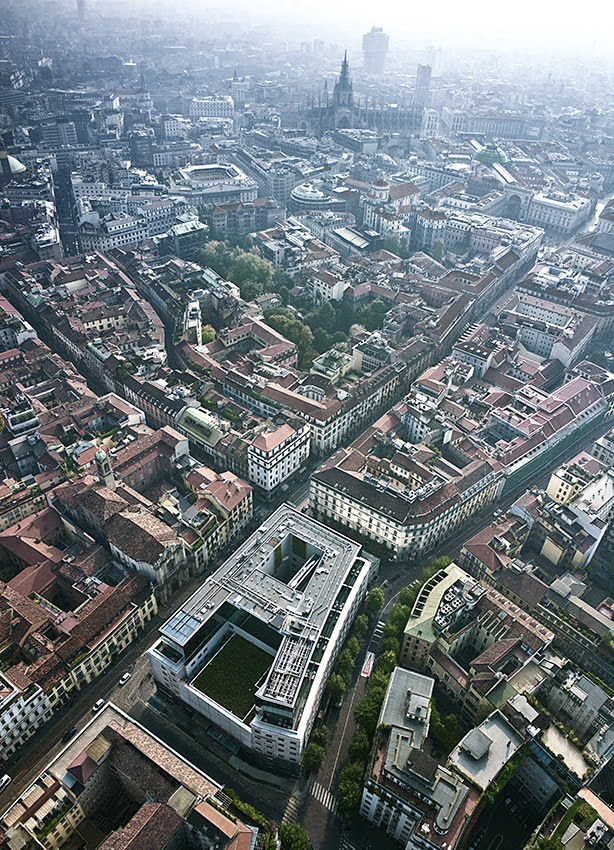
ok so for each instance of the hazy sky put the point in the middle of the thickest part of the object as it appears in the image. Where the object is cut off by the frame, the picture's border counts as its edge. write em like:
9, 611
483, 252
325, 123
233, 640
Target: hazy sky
547, 24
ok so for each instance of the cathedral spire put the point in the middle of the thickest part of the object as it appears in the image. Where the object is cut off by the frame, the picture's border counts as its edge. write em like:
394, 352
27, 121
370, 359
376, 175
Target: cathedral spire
345, 69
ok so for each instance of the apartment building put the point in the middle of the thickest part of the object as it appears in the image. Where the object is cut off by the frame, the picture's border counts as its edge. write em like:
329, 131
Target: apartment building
273, 617
420, 803
60, 628
276, 454
118, 516
579, 703
470, 638
24, 707
603, 448
501, 556
215, 106
529, 425
116, 781
405, 497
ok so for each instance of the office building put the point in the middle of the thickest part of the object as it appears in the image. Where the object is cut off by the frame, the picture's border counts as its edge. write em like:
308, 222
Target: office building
374, 50
422, 91
252, 649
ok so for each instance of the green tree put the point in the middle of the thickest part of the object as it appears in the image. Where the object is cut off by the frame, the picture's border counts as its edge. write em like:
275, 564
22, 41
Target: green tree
390, 644
336, 687
361, 627
386, 663
320, 736
322, 340
408, 596
345, 664
395, 246
551, 843
244, 267
360, 746
375, 601
293, 837
397, 621
438, 250
312, 758
599, 358
286, 323
353, 647
327, 317
349, 790
208, 334
216, 256
446, 732
368, 708
372, 316
250, 290
284, 294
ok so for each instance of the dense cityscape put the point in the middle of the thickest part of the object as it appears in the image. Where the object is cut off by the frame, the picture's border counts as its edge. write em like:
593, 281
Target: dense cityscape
306, 431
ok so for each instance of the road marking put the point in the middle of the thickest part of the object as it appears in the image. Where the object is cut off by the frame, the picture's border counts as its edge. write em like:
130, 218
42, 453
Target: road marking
293, 808
341, 740
367, 667
323, 795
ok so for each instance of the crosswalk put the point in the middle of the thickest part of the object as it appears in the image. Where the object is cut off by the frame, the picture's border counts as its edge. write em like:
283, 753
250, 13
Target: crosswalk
223, 799
293, 809
323, 796
377, 635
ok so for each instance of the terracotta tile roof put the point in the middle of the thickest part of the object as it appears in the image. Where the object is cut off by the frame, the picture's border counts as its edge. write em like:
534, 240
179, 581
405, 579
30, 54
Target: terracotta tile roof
140, 534
151, 828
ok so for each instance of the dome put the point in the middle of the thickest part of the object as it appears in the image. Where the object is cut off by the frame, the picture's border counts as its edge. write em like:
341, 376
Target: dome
15, 166
490, 154
101, 456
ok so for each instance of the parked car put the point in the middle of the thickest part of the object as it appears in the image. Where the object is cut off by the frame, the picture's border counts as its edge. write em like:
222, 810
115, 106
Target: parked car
97, 706
69, 734
124, 679
4, 781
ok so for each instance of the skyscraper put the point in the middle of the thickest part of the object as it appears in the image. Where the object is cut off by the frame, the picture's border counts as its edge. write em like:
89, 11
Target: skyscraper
374, 50
422, 92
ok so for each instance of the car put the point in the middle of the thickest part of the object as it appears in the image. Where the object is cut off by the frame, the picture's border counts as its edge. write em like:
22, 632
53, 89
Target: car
69, 734
97, 706
4, 781
125, 678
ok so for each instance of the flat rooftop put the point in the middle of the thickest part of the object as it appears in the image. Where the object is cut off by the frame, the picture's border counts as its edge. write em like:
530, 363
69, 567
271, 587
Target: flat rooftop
485, 750
259, 579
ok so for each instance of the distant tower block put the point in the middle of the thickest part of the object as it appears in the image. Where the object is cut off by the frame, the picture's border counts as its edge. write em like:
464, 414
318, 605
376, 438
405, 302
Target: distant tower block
105, 473
82, 9
374, 50
422, 92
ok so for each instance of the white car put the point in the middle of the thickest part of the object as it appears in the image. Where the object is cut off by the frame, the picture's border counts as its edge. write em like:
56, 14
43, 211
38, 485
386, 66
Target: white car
125, 678
97, 706
4, 781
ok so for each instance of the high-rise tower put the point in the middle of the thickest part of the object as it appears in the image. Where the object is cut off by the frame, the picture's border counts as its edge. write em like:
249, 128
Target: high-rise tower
374, 50
422, 92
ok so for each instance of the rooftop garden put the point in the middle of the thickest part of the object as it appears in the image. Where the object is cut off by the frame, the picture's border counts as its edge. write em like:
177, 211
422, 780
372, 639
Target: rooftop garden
231, 677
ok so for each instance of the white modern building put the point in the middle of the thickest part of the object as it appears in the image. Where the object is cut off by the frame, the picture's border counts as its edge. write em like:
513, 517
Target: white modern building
276, 454
22, 710
252, 649
215, 106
